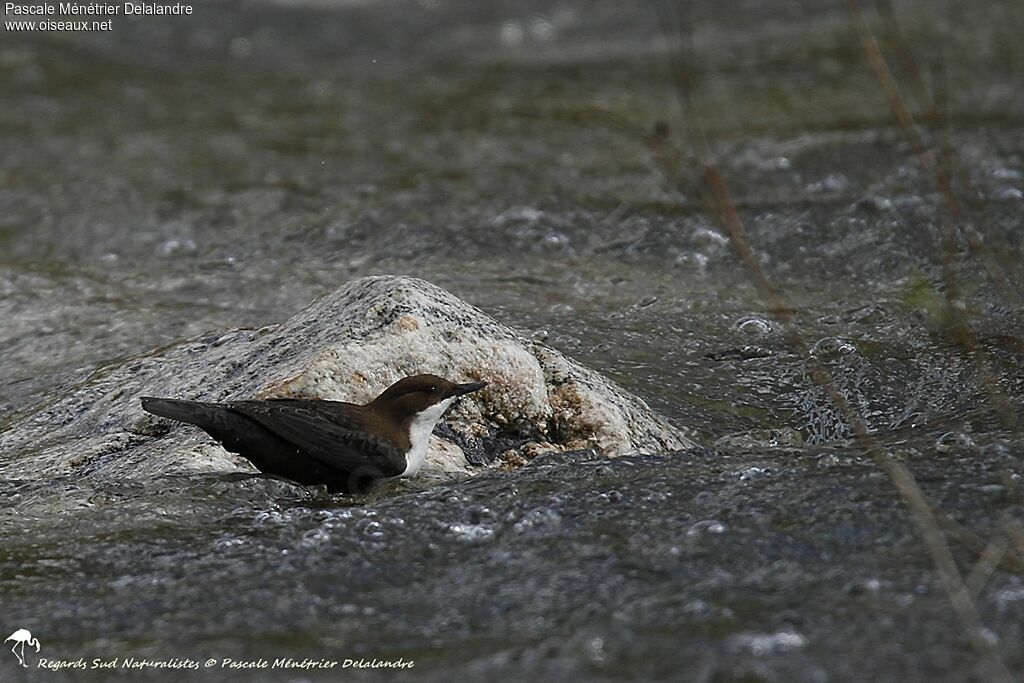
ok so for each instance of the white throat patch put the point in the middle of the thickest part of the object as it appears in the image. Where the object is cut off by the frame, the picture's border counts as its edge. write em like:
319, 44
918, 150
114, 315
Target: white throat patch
419, 435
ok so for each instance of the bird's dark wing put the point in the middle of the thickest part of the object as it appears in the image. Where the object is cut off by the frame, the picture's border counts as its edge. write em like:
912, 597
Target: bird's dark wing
326, 435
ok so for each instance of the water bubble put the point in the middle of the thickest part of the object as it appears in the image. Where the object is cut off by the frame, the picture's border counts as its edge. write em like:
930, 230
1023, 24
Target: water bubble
512, 33
691, 259
542, 30
1006, 597
832, 346
875, 204
270, 517
698, 608
370, 528
863, 586
178, 247
706, 237
831, 460
594, 648
555, 241
705, 498
706, 526
783, 437
834, 182
315, 537
954, 441
754, 325
990, 637
760, 644
871, 314
1002, 450
1007, 174
611, 497
478, 513
228, 542
753, 473
539, 519
470, 533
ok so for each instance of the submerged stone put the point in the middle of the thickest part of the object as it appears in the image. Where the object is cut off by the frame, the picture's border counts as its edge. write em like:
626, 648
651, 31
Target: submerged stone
347, 346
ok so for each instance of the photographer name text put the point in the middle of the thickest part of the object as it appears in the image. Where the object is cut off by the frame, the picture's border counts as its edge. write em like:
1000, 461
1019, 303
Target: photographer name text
42, 17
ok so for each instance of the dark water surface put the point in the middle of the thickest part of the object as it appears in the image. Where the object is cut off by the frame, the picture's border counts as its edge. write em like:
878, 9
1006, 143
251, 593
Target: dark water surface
181, 175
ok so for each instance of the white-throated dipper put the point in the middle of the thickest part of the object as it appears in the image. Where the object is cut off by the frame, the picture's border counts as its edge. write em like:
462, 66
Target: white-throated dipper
344, 446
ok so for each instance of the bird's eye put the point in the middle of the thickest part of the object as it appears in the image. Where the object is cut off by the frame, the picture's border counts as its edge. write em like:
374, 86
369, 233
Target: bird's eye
432, 389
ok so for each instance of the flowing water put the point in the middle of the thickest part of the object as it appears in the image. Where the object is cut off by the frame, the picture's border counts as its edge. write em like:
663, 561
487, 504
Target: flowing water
182, 175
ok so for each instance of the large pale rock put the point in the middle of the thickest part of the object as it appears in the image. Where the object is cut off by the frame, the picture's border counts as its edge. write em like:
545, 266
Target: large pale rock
347, 346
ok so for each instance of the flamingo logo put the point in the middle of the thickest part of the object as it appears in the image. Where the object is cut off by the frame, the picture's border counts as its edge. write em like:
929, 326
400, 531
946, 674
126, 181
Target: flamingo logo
22, 637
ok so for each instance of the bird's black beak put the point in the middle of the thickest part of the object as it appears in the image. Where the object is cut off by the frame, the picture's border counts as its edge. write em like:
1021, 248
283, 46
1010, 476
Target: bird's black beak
461, 389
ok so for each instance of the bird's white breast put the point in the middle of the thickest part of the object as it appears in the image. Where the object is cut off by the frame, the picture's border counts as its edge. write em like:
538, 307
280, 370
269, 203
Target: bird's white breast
419, 436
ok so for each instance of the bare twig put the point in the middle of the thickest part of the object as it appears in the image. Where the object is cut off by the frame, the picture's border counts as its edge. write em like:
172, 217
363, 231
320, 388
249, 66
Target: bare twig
998, 263
953, 216
921, 510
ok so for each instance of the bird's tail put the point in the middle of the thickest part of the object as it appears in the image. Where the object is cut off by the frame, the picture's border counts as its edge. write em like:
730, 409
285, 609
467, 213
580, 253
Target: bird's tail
192, 412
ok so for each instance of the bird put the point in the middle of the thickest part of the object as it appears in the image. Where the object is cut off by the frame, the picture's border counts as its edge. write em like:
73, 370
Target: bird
343, 446
22, 637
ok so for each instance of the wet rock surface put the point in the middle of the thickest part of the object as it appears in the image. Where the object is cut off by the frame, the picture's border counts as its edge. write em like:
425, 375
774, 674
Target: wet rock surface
348, 346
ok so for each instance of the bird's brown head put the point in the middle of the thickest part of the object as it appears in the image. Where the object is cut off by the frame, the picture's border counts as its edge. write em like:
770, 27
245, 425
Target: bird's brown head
411, 396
